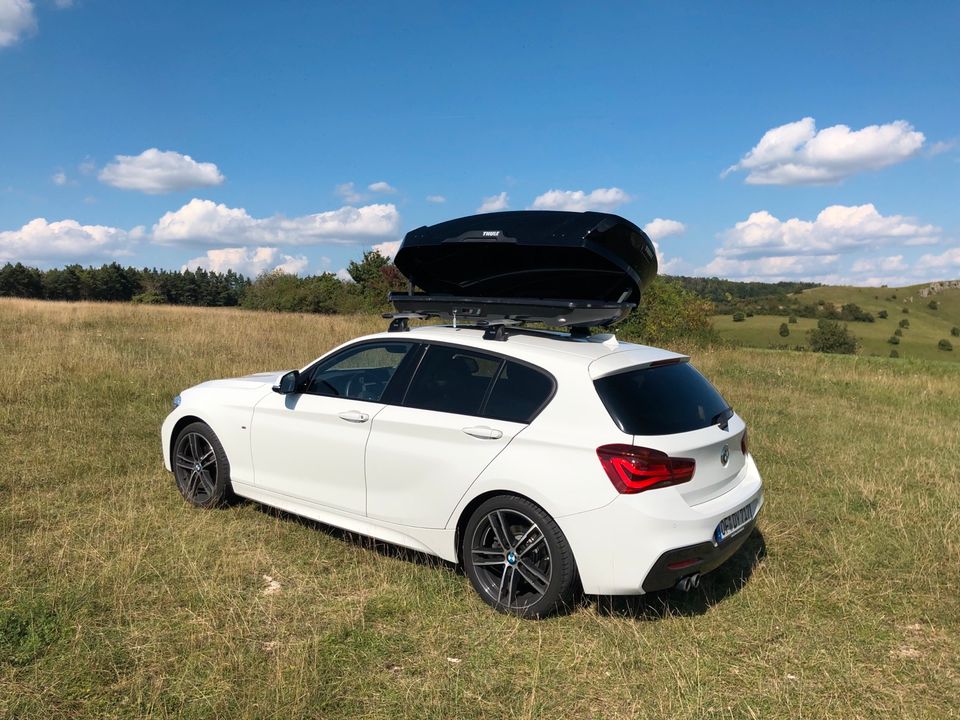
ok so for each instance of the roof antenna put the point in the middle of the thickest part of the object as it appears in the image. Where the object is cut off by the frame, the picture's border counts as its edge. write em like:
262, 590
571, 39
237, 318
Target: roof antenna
454, 318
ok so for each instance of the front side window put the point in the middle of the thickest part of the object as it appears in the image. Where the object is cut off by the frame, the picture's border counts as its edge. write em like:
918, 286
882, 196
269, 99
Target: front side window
360, 373
452, 380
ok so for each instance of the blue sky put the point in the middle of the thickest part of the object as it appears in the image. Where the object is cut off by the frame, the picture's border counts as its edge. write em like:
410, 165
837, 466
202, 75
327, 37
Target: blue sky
753, 140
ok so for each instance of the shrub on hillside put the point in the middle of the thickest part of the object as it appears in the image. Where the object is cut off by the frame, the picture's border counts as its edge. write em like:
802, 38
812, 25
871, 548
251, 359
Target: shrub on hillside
904, 323
898, 332
955, 331
784, 330
792, 320
945, 345
893, 340
894, 354
831, 336
933, 305
738, 317
882, 314
667, 312
906, 310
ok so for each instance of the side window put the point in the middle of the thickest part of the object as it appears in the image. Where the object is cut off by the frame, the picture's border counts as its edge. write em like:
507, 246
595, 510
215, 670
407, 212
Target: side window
360, 373
519, 393
452, 380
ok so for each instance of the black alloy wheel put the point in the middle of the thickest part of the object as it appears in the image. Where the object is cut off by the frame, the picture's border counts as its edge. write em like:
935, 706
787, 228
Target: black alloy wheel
517, 557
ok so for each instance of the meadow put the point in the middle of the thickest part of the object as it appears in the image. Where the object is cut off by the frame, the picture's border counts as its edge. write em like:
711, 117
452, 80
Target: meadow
927, 326
118, 600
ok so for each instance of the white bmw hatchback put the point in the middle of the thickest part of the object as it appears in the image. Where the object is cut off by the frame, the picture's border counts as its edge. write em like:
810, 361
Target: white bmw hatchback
538, 463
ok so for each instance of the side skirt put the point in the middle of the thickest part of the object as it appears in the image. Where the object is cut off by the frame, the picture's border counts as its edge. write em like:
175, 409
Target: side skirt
427, 540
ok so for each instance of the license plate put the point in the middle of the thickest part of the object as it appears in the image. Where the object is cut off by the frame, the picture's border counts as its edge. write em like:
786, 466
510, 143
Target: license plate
732, 524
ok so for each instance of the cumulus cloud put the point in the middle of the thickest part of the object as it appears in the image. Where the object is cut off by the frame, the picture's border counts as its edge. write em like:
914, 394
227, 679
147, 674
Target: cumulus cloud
159, 171
348, 193
946, 263
344, 276
660, 228
494, 203
892, 263
836, 229
388, 249
579, 201
39, 242
16, 20
436, 199
207, 222
381, 187
59, 178
248, 261
797, 154
770, 268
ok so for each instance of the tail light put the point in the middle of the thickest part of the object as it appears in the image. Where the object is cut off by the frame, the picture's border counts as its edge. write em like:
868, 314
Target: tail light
743, 443
634, 469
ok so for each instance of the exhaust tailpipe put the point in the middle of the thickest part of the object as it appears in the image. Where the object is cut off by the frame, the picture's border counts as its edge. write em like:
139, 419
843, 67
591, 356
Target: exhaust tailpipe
688, 583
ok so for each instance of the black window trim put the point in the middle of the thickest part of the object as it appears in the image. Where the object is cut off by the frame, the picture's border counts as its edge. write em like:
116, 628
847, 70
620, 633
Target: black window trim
306, 377
504, 359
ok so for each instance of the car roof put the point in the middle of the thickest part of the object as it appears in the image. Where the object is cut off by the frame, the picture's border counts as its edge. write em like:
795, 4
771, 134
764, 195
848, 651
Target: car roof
604, 354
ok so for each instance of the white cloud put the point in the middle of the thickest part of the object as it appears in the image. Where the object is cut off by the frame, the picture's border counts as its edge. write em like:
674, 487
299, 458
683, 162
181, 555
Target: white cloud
159, 171
579, 201
946, 263
660, 228
248, 261
203, 221
39, 242
892, 263
436, 199
494, 203
836, 229
344, 276
796, 154
16, 20
942, 146
348, 193
770, 268
381, 187
59, 178
388, 249
87, 167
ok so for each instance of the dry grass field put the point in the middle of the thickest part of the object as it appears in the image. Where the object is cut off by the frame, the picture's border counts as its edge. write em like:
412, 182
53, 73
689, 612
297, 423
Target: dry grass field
117, 599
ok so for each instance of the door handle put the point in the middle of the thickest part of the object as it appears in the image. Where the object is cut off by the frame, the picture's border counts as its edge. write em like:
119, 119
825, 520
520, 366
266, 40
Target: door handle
354, 416
483, 432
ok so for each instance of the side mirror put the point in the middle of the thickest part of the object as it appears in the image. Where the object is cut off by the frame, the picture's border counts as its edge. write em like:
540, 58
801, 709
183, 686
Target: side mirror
289, 383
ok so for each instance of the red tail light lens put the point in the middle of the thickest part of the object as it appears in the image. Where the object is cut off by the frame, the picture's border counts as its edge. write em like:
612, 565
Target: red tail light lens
743, 443
634, 469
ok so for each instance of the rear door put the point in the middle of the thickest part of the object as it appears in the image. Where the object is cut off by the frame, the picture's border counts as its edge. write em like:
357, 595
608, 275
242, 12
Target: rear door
461, 410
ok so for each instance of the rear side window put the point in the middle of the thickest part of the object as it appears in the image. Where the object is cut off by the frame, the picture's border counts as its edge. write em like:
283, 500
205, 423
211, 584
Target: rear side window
452, 380
661, 400
519, 393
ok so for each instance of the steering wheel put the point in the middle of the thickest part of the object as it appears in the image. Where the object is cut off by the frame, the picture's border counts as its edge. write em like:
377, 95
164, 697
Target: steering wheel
356, 387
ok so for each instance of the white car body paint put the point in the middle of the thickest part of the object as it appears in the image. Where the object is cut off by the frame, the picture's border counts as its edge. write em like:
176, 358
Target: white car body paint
407, 476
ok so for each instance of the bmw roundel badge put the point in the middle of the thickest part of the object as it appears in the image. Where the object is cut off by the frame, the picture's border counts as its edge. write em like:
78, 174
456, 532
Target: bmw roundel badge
725, 455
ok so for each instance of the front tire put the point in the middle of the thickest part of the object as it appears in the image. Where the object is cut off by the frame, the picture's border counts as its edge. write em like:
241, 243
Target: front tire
200, 467
517, 558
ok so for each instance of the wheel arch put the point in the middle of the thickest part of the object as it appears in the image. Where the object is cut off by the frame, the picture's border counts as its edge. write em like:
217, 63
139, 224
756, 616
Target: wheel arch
180, 425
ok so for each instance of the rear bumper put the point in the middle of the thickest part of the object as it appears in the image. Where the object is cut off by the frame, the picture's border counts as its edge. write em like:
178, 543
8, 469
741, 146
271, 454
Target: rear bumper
624, 548
693, 559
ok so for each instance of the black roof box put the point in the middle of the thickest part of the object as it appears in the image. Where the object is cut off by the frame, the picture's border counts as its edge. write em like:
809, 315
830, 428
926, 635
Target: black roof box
564, 268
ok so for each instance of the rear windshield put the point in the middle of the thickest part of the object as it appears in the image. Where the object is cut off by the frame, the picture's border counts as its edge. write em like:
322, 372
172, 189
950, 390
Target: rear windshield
661, 400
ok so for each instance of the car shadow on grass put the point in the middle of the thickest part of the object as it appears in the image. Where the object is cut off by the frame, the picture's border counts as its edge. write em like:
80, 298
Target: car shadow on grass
715, 587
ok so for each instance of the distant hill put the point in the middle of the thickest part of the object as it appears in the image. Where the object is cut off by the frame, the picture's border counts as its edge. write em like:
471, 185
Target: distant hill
932, 311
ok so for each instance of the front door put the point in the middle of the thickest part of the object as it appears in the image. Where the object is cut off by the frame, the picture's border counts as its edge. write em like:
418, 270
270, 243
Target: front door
310, 444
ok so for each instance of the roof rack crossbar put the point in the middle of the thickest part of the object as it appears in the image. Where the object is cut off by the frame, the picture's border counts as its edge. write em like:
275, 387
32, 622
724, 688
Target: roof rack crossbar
400, 321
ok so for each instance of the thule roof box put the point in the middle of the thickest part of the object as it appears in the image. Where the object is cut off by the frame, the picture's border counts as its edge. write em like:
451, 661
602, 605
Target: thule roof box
559, 268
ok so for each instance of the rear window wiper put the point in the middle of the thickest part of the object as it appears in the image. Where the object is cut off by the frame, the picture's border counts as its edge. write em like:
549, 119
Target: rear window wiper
722, 418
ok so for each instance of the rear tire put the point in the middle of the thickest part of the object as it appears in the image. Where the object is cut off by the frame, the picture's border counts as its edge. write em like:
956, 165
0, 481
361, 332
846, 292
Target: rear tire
517, 558
200, 467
